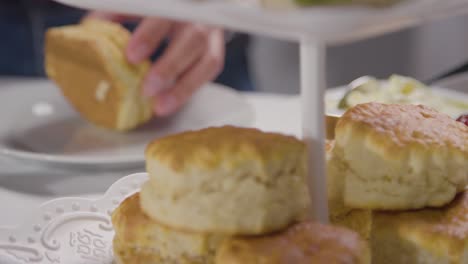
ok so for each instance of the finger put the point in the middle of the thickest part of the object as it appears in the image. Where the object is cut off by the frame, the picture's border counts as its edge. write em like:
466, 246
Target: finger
206, 69
186, 47
147, 37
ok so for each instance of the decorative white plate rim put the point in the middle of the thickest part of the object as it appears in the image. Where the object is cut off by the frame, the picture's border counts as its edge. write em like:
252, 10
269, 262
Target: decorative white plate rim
36, 240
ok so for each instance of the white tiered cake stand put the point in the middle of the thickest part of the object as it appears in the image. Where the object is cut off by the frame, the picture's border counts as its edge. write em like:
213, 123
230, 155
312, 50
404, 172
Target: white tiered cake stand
314, 28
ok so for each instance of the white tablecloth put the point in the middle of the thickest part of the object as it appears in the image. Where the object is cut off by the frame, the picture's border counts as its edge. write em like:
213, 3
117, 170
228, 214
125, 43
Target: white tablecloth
23, 188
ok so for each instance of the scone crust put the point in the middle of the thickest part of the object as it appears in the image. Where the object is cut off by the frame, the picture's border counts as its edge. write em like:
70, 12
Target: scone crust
229, 171
227, 146
397, 128
440, 234
125, 253
128, 253
398, 157
137, 237
305, 242
90, 56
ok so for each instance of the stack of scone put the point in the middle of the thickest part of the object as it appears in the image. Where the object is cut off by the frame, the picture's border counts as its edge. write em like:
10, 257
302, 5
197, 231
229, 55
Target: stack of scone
408, 165
227, 195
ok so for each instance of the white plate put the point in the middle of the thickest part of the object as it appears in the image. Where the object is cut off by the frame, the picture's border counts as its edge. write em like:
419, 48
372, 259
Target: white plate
68, 230
38, 125
333, 96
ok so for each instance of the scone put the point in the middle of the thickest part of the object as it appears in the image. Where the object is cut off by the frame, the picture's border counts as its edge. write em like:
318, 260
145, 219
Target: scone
226, 180
139, 239
88, 64
303, 243
397, 157
429, 236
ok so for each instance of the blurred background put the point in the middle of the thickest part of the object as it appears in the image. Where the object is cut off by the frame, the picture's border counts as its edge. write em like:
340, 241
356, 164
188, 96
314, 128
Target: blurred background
427, 53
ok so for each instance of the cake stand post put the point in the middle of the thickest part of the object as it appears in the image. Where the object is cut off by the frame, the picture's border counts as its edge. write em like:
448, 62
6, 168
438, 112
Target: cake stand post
312, 57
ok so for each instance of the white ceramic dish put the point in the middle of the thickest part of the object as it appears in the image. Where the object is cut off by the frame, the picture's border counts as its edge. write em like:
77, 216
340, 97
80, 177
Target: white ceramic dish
39, 126
68, 230
333, 96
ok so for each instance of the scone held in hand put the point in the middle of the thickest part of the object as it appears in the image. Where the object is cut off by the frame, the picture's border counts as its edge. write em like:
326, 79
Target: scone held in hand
88, 63
226, 180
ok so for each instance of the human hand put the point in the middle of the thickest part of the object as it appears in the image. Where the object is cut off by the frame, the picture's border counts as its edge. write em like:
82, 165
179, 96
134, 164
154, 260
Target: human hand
194, 56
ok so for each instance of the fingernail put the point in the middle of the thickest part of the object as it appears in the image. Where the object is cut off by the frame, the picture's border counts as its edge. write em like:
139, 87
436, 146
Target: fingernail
153, 85
166, 105
138, 52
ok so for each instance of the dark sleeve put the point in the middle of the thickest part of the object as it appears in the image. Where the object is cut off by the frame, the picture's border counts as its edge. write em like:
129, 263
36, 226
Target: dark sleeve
23, 24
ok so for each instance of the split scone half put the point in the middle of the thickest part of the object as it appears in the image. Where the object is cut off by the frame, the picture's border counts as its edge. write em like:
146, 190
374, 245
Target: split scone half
399, 157
226, 180
428, 236
88, 64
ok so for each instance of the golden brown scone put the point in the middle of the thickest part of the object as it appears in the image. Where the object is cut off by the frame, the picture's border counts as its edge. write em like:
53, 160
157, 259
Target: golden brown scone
139, 239
400, 156
429, 236
302, 243
88, 63
244, 181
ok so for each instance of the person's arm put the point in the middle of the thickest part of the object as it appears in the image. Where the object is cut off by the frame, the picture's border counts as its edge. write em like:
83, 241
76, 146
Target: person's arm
194, 56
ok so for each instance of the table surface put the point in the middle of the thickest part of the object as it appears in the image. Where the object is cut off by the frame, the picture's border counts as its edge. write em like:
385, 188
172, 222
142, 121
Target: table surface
24, 187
